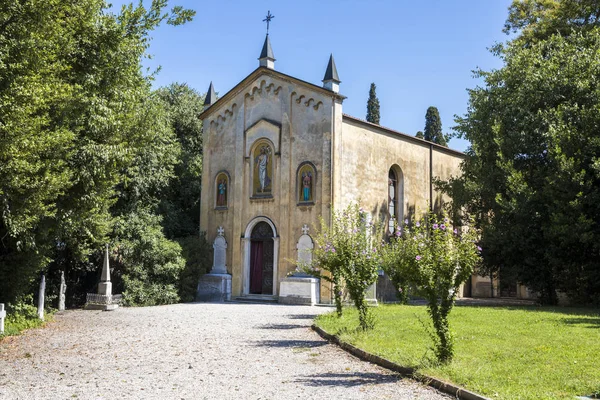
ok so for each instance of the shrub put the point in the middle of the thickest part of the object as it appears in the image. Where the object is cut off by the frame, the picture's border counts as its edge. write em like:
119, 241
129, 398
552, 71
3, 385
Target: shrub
150, 264
436, 259
345, 250
196, 252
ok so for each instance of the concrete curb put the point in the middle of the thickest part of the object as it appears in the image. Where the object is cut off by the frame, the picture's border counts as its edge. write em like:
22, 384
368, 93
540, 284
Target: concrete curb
449, 388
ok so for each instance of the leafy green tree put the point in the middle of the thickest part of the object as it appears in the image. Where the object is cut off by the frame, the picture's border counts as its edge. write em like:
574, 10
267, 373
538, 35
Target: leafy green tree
33, 149
433, 127
536, 20
435, 259
373, 106
420, 135
180, 201
71, 119
531, 177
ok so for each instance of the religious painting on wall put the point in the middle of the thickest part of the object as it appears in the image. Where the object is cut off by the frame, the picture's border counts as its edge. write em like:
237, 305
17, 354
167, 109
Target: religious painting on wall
306, 183
222, 184
263, 170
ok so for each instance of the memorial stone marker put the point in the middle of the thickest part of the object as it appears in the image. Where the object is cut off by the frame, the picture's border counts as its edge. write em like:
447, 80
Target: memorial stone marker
41, 295
63, 291
2, 316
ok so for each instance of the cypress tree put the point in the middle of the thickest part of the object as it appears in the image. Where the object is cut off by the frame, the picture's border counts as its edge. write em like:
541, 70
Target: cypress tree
373, 106
433, 127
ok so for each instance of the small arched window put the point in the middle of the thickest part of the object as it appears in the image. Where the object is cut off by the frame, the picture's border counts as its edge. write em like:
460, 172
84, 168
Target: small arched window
392, 200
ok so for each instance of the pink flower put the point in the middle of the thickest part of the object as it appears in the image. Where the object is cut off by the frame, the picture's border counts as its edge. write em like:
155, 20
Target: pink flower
442, 227
479, 249
435, 226
456, 231
417, 258
418, 224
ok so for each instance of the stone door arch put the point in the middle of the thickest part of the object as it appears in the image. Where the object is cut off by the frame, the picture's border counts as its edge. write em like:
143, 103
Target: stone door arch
261, 250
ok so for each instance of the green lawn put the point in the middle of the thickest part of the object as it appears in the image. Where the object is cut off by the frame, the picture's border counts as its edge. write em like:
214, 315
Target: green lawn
500, 352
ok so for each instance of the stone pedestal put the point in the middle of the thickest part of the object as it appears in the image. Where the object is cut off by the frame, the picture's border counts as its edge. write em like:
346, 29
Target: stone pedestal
105, 288
299, 290
214, 287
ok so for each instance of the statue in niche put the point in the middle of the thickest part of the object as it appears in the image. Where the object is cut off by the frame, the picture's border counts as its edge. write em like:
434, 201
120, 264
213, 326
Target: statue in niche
306, 185
263, 163
222, 192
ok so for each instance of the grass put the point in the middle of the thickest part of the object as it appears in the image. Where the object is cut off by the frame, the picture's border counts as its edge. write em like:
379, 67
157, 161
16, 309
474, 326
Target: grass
22, 316
14, 326
500, 352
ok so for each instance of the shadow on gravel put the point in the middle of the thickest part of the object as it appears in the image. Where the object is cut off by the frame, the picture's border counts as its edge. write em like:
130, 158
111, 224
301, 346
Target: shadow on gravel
301, 316
283, 326
291, 343
349, 379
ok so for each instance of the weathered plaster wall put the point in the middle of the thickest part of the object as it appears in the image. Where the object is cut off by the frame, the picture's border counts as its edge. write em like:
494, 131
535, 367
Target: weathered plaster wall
366, 154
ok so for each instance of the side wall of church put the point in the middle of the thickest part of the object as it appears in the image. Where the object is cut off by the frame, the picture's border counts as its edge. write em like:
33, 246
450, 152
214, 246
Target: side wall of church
365, 157
293, 124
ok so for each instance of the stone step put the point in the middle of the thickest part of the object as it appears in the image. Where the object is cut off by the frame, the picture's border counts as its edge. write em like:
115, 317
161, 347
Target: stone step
256, 298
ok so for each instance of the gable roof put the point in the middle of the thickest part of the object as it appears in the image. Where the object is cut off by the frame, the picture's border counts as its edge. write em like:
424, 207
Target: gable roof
270, 72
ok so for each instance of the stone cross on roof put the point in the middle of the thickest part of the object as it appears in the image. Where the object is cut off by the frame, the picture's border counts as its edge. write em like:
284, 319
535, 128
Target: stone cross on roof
220, 231
305, 229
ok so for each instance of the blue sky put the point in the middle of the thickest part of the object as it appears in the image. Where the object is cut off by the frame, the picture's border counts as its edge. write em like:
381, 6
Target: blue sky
418, 53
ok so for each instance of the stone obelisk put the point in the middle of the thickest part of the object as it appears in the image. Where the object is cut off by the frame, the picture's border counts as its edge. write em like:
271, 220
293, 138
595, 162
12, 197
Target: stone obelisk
105, 285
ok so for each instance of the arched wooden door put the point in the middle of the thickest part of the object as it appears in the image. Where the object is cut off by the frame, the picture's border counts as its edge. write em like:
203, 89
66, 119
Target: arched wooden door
261, 259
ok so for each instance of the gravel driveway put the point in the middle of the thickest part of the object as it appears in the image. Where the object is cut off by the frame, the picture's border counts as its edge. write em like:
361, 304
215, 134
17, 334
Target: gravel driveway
191, 351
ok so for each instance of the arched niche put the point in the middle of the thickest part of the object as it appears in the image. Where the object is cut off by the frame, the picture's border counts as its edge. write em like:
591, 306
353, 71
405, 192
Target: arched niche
222, 192
263, 168
306, 183
395, 198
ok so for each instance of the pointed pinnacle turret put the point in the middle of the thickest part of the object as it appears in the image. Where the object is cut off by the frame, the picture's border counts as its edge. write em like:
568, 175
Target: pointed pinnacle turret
267, 59
331, 80
211, 97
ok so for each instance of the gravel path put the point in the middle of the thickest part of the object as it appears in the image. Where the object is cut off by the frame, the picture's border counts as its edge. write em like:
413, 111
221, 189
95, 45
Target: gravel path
191, 351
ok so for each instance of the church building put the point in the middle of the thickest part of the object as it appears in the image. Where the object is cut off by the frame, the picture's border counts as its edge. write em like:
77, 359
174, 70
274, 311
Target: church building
279, 153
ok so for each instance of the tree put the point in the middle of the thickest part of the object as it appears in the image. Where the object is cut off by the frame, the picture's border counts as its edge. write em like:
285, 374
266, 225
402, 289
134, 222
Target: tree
537, 20
180, 201
531, 177
434, 259
373, 106
433, 127
72, 116
420, 135
180, 204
